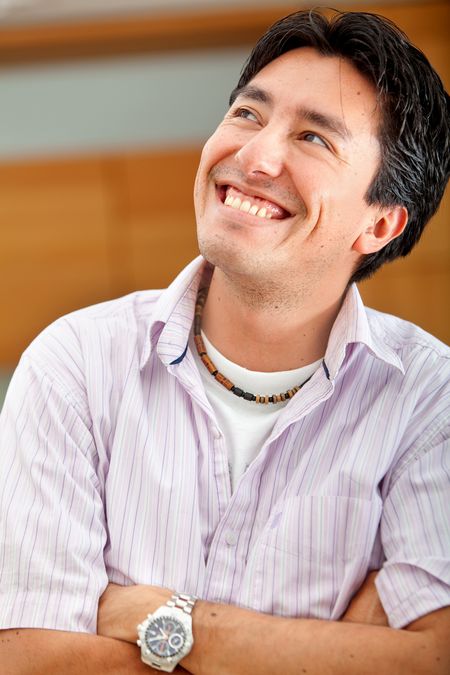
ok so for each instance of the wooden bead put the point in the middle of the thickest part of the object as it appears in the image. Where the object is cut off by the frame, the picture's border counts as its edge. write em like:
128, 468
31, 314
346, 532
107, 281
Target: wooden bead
224, 381
200, 344
208, 363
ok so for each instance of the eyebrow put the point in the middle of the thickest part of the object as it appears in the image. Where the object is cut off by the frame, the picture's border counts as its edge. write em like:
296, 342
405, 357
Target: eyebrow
323, 120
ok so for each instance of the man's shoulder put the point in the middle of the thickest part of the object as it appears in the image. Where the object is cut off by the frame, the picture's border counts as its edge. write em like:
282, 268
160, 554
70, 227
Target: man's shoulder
402, 334
109, 339
113, 331
106, 318
405, 337
138, 304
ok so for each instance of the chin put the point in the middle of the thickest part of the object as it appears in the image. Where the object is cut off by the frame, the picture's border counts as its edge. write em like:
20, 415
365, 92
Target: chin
227, 257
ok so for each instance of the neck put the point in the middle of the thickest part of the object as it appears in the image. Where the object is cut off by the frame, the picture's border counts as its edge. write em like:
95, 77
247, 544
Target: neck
267, 332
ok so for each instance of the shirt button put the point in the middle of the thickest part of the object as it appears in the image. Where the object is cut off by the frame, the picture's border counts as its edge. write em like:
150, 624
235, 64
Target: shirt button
216, 433
231, 538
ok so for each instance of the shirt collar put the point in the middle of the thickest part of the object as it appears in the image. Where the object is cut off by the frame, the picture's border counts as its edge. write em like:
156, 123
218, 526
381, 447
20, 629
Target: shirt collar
174, 310
172, 317
352, 327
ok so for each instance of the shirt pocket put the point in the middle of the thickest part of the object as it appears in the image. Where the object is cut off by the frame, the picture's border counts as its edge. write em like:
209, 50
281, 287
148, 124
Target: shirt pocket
311, 556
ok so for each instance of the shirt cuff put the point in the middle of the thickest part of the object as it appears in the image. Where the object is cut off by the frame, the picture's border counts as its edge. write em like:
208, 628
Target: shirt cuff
419, 601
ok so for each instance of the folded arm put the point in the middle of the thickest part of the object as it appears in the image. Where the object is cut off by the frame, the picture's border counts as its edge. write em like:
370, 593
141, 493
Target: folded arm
228, 639
38, 652
31, 651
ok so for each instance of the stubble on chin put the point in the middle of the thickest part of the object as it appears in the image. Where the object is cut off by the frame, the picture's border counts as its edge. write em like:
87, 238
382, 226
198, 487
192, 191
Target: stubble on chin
227, 256
251, 279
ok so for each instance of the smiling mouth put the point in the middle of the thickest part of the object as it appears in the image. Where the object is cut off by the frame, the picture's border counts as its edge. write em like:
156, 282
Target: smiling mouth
255, 206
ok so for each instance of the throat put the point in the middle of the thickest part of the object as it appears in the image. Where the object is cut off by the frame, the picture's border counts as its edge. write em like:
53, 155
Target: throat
257, 331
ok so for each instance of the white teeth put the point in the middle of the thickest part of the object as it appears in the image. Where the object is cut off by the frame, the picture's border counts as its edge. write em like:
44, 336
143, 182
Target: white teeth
246, 206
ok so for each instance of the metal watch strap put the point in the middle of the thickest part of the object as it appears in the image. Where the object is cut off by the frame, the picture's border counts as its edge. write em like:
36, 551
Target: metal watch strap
178, 602
182, 601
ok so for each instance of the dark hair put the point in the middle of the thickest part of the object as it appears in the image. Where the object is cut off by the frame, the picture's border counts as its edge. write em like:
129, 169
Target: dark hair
414, 130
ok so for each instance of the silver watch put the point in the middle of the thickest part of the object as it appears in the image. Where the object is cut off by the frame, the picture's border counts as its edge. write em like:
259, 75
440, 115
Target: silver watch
165, 637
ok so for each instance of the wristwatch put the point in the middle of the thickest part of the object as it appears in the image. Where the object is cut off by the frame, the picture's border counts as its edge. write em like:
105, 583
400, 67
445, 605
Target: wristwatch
165, 637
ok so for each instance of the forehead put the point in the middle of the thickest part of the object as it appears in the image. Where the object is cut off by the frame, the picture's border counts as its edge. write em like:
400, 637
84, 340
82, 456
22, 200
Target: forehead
330, 84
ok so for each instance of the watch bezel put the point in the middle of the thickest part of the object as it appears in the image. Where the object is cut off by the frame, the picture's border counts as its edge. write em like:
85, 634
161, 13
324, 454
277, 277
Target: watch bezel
166, 663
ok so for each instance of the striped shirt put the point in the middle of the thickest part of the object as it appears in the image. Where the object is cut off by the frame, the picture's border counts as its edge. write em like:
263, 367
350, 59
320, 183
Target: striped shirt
113, 467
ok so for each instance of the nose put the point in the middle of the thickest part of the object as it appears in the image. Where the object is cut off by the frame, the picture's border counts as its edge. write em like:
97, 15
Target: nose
264, 153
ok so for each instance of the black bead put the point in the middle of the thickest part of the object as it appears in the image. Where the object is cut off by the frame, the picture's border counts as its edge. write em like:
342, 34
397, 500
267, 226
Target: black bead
270, 399
249, 397
237, 391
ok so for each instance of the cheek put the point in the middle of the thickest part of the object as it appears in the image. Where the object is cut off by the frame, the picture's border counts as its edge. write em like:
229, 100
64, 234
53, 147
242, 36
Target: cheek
204, 168
221, 146
206, 164
214, 147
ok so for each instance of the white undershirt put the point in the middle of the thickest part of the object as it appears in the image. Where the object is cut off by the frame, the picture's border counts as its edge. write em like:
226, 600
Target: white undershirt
245, 424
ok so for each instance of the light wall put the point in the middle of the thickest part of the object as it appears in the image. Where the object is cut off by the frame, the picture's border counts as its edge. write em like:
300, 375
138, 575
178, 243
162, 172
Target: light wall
115, 104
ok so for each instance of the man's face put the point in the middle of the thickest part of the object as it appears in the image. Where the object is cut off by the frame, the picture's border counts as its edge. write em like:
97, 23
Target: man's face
279, 192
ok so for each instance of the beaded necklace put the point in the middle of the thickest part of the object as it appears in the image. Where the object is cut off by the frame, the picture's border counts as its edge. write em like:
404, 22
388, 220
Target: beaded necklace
224, 381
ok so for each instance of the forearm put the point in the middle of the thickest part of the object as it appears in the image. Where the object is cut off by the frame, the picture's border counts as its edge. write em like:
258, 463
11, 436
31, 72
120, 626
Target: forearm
233, 641
229, 640
40, 652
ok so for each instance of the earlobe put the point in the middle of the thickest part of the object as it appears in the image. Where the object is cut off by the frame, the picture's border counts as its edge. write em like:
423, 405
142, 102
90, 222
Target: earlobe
388, 224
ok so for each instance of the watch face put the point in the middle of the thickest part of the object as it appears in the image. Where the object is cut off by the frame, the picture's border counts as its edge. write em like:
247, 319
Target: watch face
165, 636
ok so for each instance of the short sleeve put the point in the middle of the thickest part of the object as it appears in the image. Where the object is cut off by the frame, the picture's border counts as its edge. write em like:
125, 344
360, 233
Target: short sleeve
415, 534
52, 524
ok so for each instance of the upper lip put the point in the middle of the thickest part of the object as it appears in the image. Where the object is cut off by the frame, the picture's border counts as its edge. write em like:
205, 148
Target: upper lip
251, 192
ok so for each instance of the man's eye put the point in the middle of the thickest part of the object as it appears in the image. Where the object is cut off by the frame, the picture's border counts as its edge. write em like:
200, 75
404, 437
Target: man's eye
246, 114
314, 138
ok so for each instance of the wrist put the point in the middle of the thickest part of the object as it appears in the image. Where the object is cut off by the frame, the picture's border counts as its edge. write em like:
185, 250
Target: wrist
206, 618
121, 608
165, 636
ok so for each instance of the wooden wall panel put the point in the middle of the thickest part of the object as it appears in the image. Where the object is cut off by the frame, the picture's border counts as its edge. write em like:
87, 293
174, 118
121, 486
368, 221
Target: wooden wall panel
81, 230
147, 33
161, 217
53, 252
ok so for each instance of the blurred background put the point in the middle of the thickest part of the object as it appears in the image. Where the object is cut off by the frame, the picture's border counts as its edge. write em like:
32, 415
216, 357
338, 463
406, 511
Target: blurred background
104, 107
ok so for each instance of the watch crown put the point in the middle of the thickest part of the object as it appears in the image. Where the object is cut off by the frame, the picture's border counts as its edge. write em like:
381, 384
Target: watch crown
138, 642
140, 627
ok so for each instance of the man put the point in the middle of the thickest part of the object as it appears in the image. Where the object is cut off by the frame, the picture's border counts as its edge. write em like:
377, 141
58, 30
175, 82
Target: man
252, 436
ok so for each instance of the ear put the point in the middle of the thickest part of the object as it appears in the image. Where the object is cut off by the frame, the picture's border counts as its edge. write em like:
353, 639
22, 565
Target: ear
388, 224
